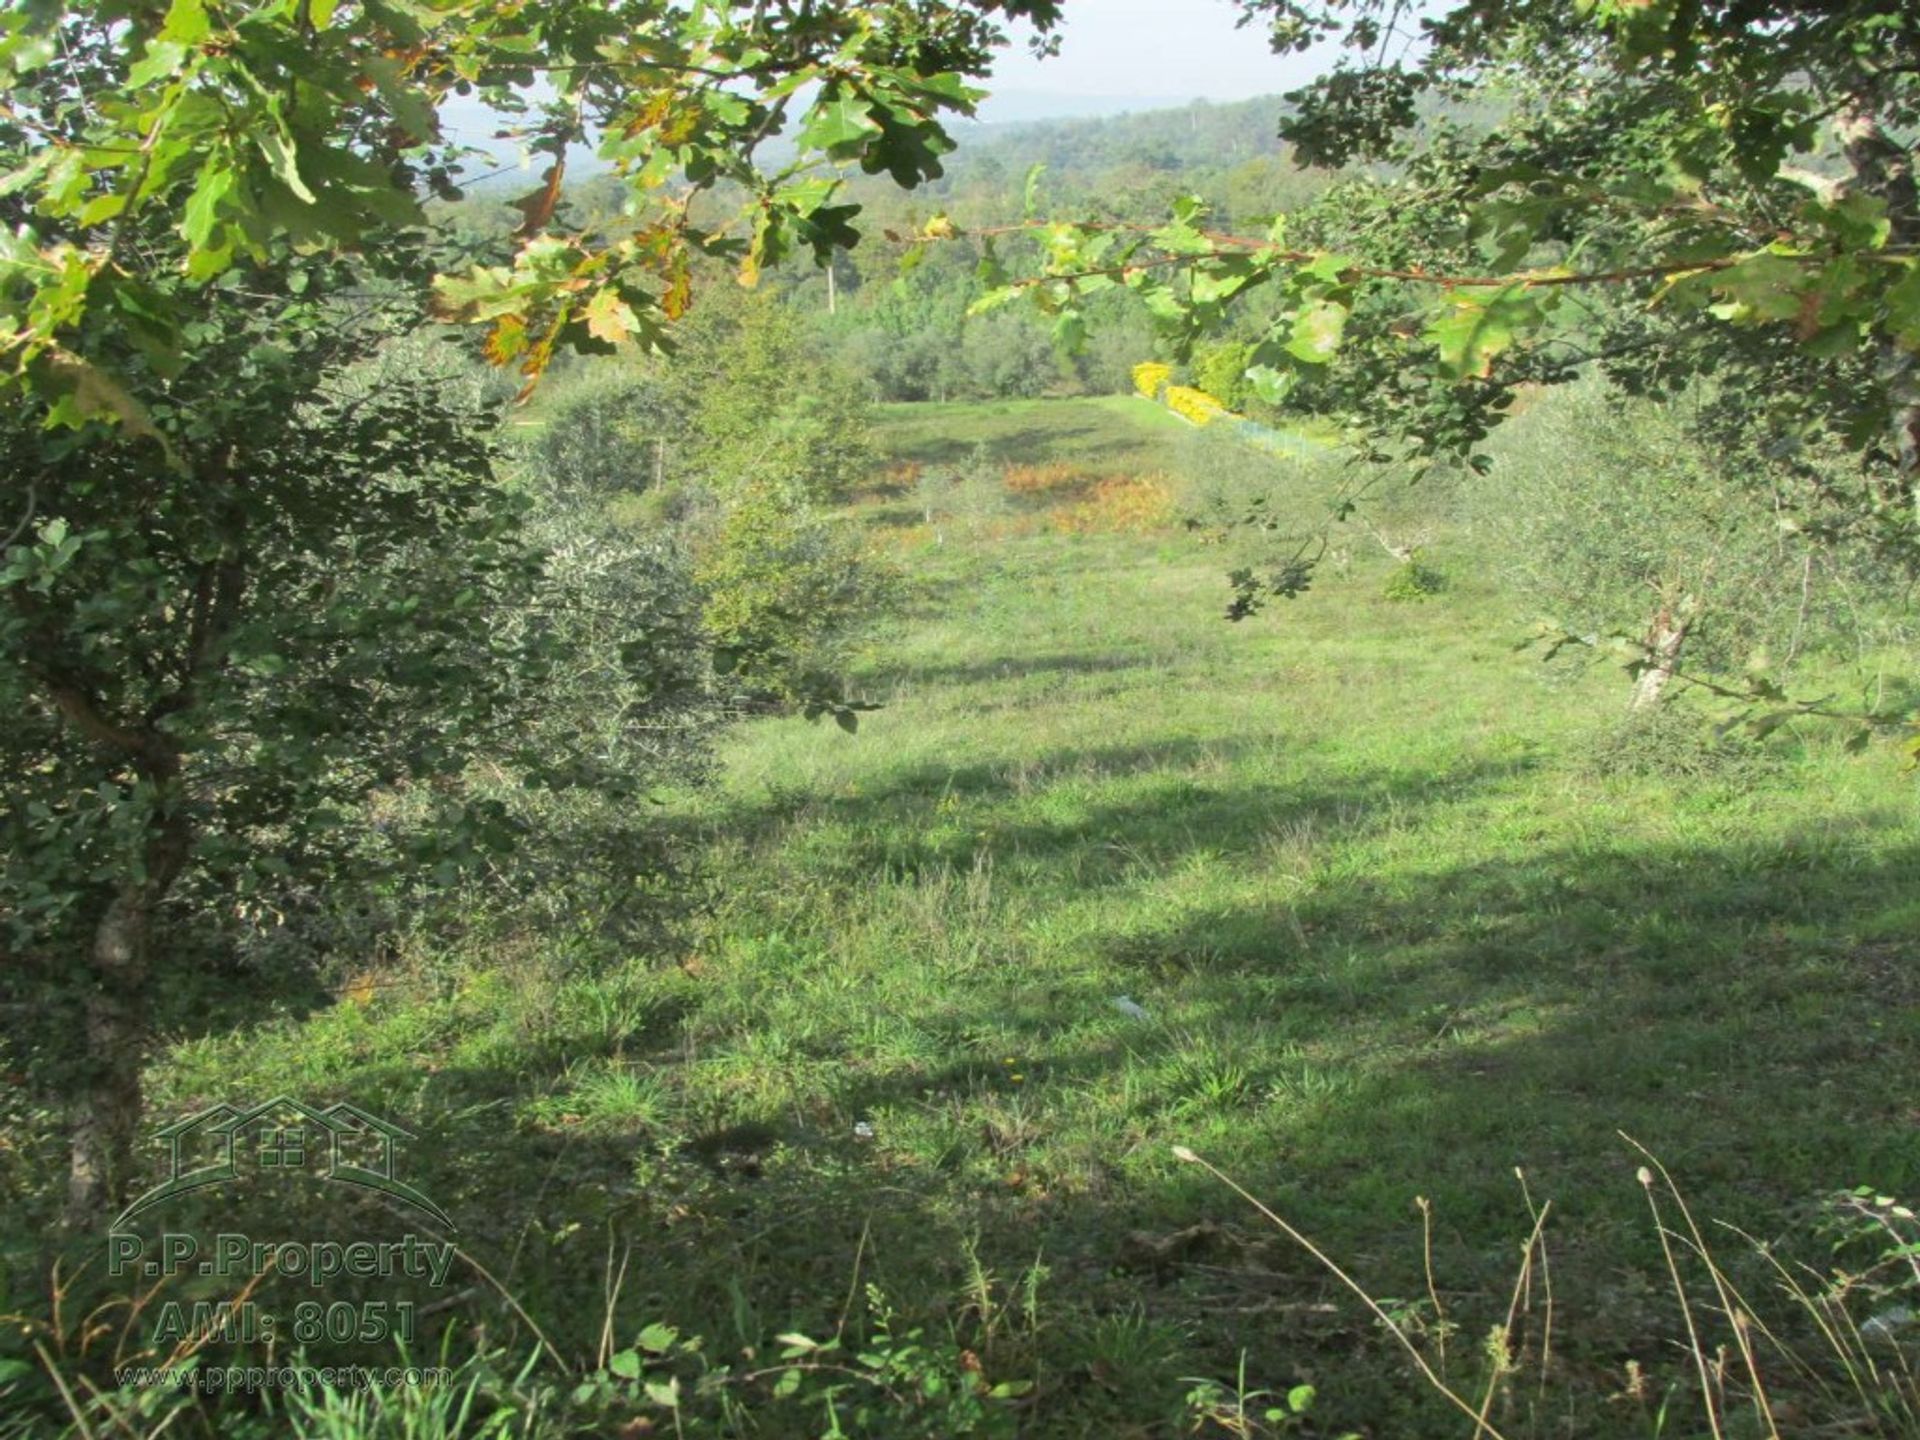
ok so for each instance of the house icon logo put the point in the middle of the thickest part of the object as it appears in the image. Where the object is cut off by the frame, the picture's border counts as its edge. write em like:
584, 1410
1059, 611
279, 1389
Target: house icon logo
341, 1143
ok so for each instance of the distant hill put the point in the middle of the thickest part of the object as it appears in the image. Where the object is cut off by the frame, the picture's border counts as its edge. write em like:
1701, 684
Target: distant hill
1020, 107
1198, 135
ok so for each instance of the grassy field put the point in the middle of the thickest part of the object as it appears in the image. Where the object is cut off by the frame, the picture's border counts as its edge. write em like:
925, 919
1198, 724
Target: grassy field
1107, 430
1355, 900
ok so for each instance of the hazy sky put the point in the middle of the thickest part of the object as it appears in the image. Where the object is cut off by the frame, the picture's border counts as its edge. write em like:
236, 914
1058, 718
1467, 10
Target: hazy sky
1156, 49
1115, 55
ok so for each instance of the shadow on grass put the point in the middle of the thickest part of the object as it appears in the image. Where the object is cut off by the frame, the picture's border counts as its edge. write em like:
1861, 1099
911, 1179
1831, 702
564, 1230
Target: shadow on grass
1187, 801
1745, 1010
1025, 443
1010, 667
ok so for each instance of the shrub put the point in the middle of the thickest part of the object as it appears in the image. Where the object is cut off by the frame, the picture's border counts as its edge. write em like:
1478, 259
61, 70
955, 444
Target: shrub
604, 430
1412, 581
1677, 742
786, 590
1254, 495
1194, 405
969, 498
1221, 371
1150, 378
1613, 516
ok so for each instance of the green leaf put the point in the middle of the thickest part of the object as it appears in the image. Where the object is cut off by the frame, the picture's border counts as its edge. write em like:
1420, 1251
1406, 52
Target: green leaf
186, 22
1032, 189
994, 299
202, 209
277, 145
1902, 301
163, 59
1329, 267
1765, 286
1317, 328
1272, 385
839, 124
626, 1364
1475, 331
657, 1339
665, 1393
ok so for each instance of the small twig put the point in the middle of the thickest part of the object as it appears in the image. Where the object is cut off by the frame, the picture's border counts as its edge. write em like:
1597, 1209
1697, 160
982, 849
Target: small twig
1522, 1285
1546, 1281
66, 1394
33, 500
1433, 1290
1267, 251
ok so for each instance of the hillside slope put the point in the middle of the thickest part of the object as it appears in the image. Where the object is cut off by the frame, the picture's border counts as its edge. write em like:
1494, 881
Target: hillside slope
1352, 900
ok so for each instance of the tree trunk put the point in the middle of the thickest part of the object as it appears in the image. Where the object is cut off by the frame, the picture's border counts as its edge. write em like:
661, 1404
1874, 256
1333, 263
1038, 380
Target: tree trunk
107, 1105
1665, 638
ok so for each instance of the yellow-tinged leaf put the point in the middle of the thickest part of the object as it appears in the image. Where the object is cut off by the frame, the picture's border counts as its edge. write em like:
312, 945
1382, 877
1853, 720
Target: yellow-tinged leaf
679, 292
508, 340
609, 318
97, 395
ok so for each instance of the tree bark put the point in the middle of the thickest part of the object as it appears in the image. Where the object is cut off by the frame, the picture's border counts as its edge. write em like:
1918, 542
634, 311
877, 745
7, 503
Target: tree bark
109, 1099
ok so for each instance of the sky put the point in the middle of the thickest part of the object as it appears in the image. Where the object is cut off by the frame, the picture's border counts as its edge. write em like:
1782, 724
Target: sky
1134, 54
1115, 55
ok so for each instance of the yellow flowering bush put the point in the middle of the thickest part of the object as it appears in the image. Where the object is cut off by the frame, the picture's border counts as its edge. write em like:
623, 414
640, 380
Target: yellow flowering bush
1195, 405
1150, 377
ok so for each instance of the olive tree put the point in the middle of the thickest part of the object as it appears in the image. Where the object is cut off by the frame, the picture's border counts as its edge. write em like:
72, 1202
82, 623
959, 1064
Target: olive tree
1617, 523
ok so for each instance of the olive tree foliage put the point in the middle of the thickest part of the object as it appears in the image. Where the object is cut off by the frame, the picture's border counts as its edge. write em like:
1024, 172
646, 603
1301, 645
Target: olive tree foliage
1619, 527
730, 456
605, 433
764, 406
1663, 191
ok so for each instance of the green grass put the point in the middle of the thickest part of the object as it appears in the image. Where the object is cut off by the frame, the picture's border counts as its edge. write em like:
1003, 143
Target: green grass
1396, 930
1102, 430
